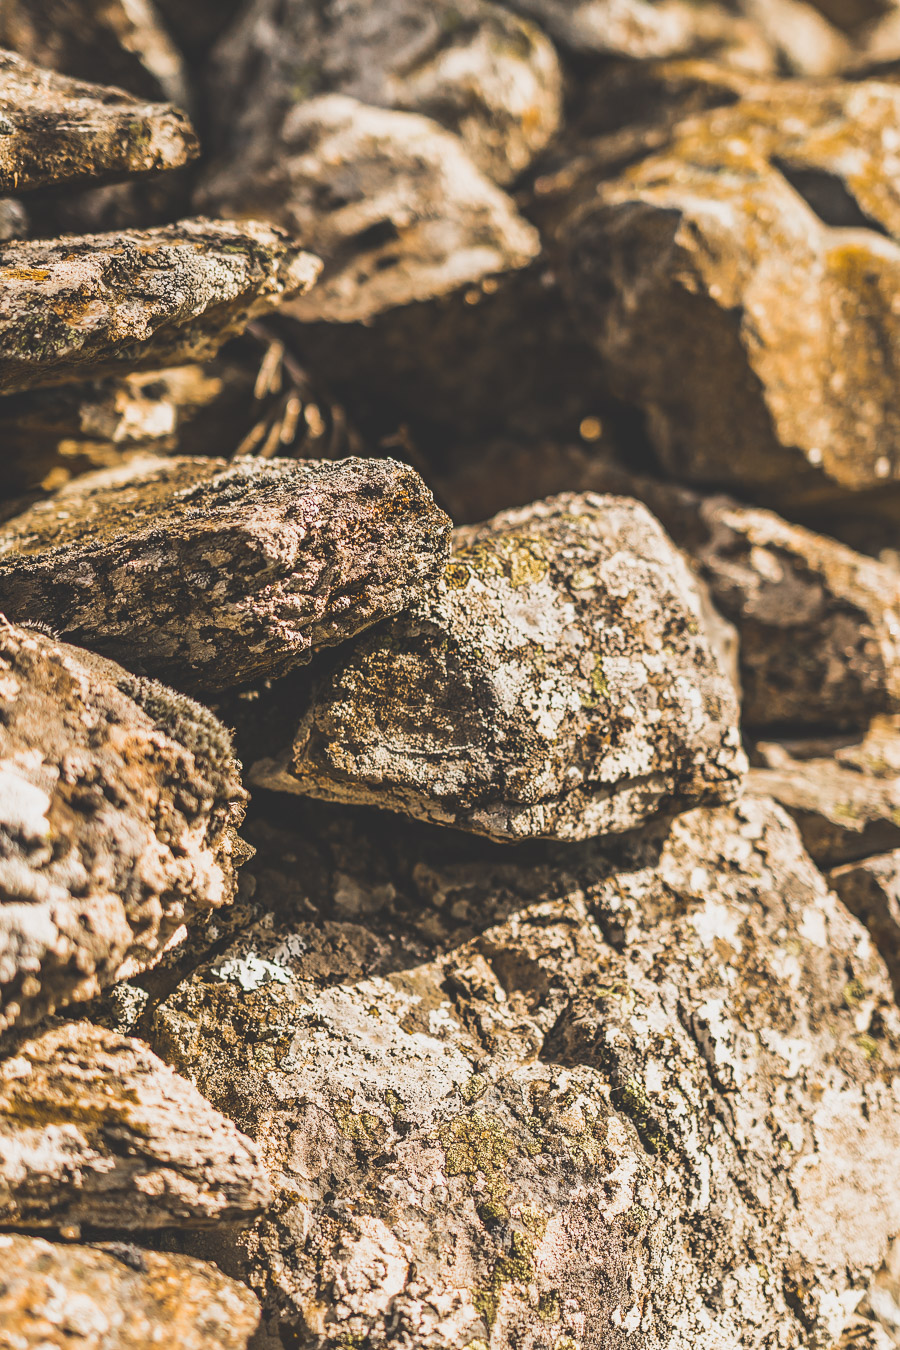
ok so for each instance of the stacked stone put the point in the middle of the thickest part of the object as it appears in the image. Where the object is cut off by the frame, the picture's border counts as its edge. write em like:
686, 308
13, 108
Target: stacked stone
535, 987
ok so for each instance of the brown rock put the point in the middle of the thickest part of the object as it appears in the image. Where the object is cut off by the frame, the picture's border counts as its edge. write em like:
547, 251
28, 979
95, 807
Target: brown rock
96, 1131
216, 574
119, 801
94, 1298
765, 234
56, 130
871, 890
78, 308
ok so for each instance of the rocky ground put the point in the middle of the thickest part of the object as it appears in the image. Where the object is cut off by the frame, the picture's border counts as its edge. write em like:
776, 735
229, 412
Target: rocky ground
450, 675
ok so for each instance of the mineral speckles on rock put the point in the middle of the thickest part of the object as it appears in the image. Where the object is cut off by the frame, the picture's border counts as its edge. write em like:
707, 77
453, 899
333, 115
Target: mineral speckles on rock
95, 1130
119, 801
650, 1096
212, 574
78, 307
390, 200
56, 130
66, 1297
556, 683
474, 67
765, 233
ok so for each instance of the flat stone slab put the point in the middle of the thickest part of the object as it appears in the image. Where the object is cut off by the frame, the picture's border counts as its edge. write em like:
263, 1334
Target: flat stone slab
78, 307
210, 575
556, 682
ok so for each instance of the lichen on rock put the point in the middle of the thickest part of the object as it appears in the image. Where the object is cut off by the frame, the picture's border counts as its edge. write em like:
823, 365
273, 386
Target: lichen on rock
557, 682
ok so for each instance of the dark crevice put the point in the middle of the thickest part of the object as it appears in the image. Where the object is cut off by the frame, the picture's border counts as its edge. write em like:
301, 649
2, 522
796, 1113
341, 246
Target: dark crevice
828, 197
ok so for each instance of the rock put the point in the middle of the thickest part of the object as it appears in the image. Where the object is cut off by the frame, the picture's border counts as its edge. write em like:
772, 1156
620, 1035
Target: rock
56, 130
96, 1131
871, 890
79, 308
214, 574
119, 42
64, 1297
119, 801
196, 26
473, 66
512, 1095
765, 233
390, 200
556, 682
845, 797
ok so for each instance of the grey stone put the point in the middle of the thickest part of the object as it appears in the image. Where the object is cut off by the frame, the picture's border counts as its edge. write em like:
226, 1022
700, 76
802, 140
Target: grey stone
556, 682
119, 801
67, 1297
213, 574
509, 1096
78, 308
96, 1131
390, 200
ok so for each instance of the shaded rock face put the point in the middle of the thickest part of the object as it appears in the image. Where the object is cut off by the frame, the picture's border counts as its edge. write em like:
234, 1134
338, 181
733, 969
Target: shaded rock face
95, 1130
765, 233
505, 1097
57, 130
474, 67
119, 1296
844, 794
77, 308
555, 683
389, 199
213, 574
119, 801
871, 890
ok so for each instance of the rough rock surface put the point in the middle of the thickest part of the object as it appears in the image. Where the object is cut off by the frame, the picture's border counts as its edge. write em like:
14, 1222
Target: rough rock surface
213, 574
96, 1131
118, 805
390, 200
119, 42
77, 308
765, 234
474, 67
55, 1297
871, 890
56, 130
521, 1099
556, 683
843, 794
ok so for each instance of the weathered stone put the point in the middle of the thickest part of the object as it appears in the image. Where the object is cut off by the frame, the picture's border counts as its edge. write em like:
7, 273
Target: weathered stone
505, 1096
63, 1297
844, 796
78, 308
119, 801
390, 200
473, 66
764, 234
119, 42
555, 683
96, 1131
871, 890
56, 130
214, 574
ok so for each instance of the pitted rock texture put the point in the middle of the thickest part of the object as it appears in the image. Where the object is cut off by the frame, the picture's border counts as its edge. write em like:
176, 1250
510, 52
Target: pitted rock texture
765, 234
119, 801
95, 1131
844, 793
474, 67
391, 202
66, 1297
119, 42
505, 1097
57, 130
79, 307
212, 574
556, 682
871, 890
